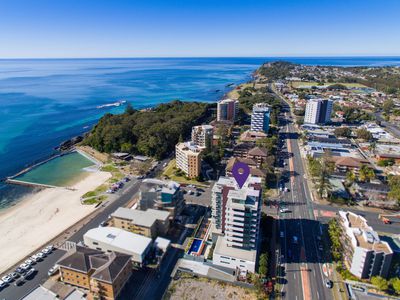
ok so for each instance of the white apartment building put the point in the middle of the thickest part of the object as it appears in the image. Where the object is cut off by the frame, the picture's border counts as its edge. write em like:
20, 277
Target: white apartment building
236, 217
260, 117
227, 110
364, 253
318, 111
188, 158
202, 135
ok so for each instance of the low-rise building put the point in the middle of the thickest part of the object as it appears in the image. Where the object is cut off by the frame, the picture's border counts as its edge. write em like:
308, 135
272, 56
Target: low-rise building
344, 164
258, 154
188, 158
252, 136
254, 170
109, 239
387, 151
150, 222
365, 254
103, 274
234, 258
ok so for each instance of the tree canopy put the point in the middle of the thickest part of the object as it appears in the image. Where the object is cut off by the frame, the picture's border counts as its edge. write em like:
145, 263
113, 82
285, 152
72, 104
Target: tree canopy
152, 133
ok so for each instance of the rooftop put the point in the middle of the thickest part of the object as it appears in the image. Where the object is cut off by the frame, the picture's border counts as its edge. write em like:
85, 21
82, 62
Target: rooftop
189, 148
119, 238
222, 248
145, 218
361, 234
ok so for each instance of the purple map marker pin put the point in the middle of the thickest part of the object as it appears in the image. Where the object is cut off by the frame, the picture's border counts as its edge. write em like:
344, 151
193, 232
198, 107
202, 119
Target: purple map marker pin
240, 172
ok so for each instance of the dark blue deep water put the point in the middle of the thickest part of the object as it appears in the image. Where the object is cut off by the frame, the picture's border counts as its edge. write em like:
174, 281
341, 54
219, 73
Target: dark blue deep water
44, 102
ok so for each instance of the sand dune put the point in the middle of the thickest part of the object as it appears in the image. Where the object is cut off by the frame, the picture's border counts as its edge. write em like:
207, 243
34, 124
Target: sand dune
42, 216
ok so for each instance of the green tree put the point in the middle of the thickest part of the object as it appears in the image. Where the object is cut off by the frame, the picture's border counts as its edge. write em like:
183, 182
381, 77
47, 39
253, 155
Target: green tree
126, 147
263, 265
335, 234
395, 283
343, 132
394, 184
366, 173
387, 106
364, 134
380, 283
350, 176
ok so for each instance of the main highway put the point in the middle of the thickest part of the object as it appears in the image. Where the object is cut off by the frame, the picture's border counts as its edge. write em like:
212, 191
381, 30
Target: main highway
300, 258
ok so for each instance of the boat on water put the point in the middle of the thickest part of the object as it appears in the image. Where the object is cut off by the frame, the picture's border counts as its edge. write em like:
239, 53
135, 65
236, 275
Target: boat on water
116, 104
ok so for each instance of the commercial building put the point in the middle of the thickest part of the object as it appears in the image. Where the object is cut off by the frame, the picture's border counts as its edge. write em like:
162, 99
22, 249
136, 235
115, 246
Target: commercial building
110, 239
260, 117
162, 195
235, 219
364, 253
318, 111
227, 110
150, 222
202, 135
103, 274
188, 158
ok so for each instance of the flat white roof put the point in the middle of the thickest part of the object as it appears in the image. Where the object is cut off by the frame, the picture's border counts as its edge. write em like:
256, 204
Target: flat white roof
119, 238
222, 248
162, 243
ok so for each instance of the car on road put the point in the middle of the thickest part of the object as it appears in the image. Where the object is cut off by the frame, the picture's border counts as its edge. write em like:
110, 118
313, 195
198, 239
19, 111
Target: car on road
329, 284
30, 273
295, 240
286, 189
103, 224
282, 234
320, 247
284, 210
7, 279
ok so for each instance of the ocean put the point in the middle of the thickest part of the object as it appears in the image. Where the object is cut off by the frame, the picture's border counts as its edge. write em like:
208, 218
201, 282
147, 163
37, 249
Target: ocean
46, 101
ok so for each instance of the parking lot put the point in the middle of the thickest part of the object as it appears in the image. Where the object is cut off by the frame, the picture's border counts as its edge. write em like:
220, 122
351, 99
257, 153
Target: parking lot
198, 195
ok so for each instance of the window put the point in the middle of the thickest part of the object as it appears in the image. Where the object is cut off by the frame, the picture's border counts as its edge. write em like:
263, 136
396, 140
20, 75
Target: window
225, 262
98, 248
95, 243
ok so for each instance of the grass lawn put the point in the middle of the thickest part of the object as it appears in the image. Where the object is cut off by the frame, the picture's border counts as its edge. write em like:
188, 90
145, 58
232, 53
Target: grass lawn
99, 190
170, 170
95, 200
234, 94
300, 84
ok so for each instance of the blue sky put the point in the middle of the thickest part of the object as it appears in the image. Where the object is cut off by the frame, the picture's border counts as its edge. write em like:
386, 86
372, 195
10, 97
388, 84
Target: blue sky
150, 28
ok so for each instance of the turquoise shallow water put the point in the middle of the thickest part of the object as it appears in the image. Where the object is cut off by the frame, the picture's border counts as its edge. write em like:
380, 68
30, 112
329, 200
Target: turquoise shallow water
60, 171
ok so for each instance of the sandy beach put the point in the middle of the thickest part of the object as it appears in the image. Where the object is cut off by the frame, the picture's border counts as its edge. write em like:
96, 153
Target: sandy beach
42, 216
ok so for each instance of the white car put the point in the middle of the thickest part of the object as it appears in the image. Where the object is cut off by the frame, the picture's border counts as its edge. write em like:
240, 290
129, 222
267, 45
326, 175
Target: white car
7, 279
52, 270
50, 248
295, 239
46, 251
284, 210
41, 255
282, 234
29, 262
24, 266
2, 283
35, 258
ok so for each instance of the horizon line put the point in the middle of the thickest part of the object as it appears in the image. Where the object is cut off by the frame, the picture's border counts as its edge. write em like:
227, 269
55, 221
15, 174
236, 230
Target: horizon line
174, 57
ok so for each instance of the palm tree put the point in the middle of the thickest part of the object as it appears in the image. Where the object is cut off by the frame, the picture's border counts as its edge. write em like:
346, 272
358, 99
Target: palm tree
366, 173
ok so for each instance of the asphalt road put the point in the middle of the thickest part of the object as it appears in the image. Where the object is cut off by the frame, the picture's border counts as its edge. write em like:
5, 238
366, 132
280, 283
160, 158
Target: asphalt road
11, 291
302, 260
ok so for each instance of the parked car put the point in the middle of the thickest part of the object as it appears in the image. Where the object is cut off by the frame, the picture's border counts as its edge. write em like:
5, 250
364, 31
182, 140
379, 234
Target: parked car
41, 255
24, 267
103, 224
14, 275
29, 262
30, 273
45, 251
53, 270
284, 210
7, 279
19, 270
50, 247
19, 281
282, 234
295, 239
35, 258
2, 284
